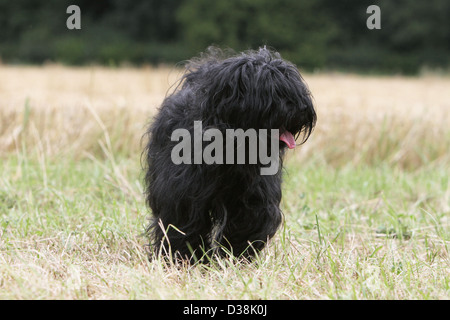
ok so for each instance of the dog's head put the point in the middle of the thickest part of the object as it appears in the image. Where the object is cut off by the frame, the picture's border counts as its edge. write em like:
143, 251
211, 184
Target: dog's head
254, 89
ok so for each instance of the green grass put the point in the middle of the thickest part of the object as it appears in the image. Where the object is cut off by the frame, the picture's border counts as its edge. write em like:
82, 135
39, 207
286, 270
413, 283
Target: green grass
73, 230
366, 200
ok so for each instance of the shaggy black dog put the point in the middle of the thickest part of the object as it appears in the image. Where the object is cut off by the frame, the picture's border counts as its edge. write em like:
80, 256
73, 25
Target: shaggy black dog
201, 209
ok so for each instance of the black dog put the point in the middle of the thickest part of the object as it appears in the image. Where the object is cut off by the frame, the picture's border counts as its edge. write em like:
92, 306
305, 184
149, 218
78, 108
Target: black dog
200, 209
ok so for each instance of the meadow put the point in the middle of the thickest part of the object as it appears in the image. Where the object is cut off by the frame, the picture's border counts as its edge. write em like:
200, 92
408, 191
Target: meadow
366, 199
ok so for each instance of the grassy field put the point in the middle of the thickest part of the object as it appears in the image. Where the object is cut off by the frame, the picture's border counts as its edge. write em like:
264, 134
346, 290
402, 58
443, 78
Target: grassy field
366, 200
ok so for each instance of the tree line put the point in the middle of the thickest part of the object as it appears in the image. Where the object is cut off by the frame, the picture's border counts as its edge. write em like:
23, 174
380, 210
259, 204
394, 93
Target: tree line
314, 34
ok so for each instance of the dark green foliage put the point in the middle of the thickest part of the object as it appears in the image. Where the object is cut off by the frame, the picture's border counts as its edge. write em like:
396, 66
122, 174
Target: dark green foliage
315, 34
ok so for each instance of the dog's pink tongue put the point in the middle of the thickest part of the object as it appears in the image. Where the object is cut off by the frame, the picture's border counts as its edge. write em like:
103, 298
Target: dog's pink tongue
288, 138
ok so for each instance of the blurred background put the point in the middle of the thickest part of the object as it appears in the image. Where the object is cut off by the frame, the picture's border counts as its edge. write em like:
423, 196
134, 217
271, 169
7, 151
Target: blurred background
317, 35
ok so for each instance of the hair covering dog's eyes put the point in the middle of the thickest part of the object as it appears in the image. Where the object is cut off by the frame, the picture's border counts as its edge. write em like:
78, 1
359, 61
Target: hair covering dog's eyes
200, 210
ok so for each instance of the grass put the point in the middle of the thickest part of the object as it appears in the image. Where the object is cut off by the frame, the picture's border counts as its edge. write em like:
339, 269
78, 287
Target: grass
366, 200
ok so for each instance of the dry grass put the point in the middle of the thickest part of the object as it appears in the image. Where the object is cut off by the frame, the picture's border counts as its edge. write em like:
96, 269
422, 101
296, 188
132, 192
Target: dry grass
370, 119
366, 199
361, 119
55, 106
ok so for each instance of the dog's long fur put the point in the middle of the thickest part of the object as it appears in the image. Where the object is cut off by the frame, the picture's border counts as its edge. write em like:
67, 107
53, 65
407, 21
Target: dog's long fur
219, 208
